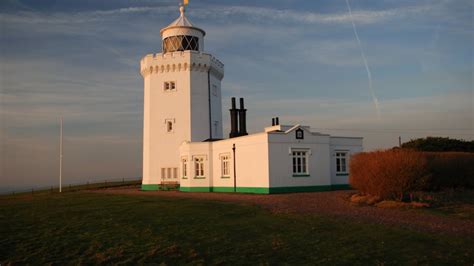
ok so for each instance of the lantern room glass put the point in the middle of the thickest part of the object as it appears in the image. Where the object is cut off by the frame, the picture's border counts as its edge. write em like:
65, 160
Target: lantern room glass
180, 43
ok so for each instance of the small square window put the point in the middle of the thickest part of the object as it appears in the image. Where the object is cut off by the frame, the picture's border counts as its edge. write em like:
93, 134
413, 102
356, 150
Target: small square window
169, 124
299, 134
166, 86
172, 85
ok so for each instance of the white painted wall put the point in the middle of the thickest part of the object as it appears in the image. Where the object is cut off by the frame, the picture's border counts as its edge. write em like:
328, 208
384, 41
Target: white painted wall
281, 172
251, 161
264, 160
351, 145
188, 106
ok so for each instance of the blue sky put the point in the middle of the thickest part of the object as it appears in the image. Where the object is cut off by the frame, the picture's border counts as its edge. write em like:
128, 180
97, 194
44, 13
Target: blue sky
298, 60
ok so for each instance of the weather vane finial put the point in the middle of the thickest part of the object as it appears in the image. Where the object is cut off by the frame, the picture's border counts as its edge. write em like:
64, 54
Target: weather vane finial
182, 5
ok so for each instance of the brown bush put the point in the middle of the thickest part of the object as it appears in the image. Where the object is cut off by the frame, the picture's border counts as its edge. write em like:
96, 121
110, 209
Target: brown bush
390, 174
395, 174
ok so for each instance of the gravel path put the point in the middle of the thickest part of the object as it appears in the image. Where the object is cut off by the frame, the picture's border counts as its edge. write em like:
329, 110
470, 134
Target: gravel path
333, 203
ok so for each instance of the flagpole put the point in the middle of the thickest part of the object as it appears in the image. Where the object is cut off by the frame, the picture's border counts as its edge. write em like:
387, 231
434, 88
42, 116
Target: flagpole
60, 154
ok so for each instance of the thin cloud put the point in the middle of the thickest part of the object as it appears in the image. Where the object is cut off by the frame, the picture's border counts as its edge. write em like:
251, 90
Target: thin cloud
223, 12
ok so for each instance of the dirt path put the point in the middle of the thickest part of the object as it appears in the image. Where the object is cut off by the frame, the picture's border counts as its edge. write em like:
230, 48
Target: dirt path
333, 203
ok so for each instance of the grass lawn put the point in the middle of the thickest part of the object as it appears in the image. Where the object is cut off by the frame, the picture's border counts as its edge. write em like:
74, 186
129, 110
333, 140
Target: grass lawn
454, 203
87, 228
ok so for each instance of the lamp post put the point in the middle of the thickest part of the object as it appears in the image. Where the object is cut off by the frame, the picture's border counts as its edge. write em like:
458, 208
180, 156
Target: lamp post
60, 153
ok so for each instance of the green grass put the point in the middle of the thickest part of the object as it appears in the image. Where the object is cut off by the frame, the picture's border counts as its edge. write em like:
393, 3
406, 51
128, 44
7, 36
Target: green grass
90, 228
73, 188
456, 203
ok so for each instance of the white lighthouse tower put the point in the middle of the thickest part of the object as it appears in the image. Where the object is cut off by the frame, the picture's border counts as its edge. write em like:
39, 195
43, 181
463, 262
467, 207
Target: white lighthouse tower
182, 99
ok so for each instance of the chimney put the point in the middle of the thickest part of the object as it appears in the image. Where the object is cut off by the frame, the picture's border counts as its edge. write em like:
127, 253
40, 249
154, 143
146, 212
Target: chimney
277, 121
273, 121
234, 132
242, 119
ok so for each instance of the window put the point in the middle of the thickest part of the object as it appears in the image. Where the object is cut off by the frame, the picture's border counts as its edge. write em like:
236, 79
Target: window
225, 165
341, 162
199, 167
299, 134
169, 86
169, 123
184, 168
300, 163
169, 173
175, 173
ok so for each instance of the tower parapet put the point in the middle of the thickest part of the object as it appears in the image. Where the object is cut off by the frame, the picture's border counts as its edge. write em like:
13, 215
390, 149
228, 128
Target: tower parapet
180, 61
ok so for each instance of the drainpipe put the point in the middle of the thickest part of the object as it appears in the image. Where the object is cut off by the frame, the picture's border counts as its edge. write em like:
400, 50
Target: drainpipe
235, 166
209, 98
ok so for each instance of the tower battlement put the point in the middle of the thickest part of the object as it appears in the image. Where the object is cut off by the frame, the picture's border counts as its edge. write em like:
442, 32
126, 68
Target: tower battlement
180, 61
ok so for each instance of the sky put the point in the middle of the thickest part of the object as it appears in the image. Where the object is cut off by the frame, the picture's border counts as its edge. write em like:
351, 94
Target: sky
395, 68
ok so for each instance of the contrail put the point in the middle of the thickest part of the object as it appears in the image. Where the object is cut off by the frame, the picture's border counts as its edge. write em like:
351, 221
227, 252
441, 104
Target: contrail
369, 74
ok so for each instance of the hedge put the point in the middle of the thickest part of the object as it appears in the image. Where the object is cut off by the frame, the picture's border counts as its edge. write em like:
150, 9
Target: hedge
392, 174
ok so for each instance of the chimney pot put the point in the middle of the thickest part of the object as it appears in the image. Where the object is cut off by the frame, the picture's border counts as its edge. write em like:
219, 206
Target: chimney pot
234, 131
242, 119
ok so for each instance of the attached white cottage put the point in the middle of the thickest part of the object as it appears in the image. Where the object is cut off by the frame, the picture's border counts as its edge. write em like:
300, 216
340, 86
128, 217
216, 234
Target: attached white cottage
183, 139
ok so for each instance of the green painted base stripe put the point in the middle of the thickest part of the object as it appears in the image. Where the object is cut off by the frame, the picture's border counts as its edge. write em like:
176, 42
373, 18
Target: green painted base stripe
223, 189
254, 190
149, 187
341, 187
195, 189
299, 189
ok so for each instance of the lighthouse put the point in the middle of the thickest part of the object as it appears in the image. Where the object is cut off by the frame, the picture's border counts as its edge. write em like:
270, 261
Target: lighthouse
183, 142
182, 99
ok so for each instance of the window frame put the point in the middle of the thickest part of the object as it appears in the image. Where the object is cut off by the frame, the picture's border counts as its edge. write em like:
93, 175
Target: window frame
302, 154
225, 165
167, 123
340, 155
184, 168
199, 172
170, 86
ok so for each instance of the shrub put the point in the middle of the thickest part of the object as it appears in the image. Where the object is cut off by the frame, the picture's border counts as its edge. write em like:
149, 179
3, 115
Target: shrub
397, 173
389, 174
450, 169
439, 144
